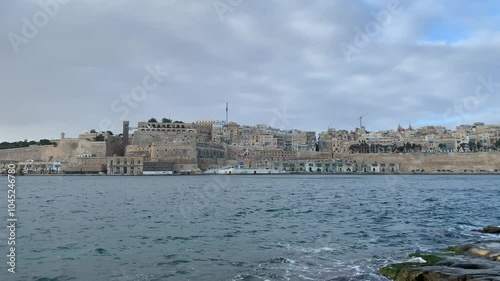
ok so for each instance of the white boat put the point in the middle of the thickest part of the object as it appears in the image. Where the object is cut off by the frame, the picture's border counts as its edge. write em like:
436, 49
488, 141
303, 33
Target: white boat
238, 170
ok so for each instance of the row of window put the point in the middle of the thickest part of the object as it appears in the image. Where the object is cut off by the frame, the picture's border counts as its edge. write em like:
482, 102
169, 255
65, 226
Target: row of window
124, 162
167, 130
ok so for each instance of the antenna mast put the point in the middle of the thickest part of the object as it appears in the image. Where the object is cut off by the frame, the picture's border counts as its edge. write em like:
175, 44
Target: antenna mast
361, 120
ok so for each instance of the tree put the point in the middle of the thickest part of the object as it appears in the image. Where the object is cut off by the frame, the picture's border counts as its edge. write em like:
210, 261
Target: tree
462, 147
479, 145
166, 120
442, 146
109, 132
178, 121
472, 146
99, 138
45, 142
152, 120
92, 131
408, 146
497, 143
354, 148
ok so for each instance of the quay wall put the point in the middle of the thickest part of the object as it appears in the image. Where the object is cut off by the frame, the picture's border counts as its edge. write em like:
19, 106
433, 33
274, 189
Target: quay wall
456, 162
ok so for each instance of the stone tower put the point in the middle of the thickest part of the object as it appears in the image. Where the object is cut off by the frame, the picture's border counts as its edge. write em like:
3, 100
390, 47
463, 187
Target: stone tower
125, 133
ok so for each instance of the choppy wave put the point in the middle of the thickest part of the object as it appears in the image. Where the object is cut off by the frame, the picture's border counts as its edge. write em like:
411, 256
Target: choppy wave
303, 228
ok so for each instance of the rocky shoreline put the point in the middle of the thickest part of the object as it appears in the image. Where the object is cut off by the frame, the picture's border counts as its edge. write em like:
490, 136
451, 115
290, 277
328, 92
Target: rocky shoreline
477, 261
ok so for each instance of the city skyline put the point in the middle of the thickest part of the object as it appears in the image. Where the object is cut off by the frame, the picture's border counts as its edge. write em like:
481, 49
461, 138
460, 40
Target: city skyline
135, 124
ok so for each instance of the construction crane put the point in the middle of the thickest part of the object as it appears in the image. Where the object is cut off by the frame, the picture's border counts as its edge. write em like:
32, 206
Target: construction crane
361, 120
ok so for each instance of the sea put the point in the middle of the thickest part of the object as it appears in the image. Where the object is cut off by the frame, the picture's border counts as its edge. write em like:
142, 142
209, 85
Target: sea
239, 227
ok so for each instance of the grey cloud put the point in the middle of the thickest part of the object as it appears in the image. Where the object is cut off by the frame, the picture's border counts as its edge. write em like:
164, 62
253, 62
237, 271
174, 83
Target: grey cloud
265, 55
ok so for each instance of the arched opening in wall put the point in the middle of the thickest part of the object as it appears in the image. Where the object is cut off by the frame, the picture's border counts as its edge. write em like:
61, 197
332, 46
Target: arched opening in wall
177, 126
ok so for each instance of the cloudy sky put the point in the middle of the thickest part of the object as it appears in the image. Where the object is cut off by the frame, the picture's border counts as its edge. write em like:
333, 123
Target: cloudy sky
76, 65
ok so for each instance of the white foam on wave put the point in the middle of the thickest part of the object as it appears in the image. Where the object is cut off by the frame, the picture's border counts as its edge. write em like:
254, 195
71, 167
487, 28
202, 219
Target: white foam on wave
307, 249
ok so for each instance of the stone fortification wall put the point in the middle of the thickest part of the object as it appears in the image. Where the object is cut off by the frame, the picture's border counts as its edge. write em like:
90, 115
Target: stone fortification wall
69, 149
141, 138
210, 155
115, 146
25, 153
456, 162
66, 151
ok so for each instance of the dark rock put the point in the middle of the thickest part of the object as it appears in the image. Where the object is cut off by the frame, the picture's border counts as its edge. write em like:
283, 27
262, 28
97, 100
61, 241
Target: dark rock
491, 229
478, 261
470, 266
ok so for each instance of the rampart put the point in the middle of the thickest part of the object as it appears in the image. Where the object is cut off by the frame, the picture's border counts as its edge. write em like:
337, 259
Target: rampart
456, 162
66, 151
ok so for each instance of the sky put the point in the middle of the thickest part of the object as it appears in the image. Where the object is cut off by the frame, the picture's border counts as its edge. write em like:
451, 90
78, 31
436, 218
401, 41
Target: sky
72, 66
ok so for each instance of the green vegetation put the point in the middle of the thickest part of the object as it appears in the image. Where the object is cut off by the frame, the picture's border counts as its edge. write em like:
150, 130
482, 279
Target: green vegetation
152, 120
472, 146
25, 143
456, 250
45, 142
92, 131
166, 120
364, 147
396, 270
497, 144
403, 271
99, 138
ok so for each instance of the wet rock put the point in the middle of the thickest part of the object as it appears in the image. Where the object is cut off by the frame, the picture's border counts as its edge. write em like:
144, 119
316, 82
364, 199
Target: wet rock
491, 229
479, 261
